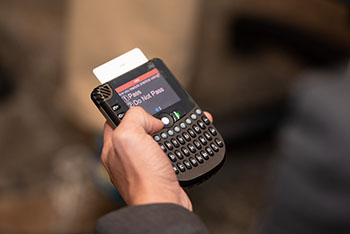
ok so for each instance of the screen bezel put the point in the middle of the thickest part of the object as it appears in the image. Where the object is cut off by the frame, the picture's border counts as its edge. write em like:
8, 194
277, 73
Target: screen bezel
185, 105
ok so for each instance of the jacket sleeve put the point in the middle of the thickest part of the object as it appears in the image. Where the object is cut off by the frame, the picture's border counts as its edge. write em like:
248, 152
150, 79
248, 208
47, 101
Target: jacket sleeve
311, 192
153, 218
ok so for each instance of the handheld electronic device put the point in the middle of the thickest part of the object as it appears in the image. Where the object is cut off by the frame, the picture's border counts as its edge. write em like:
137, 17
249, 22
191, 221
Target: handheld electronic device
194, 147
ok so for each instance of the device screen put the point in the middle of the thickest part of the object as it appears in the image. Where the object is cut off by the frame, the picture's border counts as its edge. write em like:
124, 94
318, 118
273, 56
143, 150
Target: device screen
150, 91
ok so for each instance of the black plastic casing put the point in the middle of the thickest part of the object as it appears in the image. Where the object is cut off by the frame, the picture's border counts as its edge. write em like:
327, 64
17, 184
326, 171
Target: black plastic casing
105, 98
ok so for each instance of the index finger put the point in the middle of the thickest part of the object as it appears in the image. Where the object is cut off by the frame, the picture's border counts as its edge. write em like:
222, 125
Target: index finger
107, 131
209, 116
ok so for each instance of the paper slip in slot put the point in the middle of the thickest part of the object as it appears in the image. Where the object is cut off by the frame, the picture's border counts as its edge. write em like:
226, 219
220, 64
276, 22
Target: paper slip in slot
120, 65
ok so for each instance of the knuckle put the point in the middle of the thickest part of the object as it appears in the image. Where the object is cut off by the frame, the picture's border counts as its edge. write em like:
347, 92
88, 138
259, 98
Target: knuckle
121, 135
104, 156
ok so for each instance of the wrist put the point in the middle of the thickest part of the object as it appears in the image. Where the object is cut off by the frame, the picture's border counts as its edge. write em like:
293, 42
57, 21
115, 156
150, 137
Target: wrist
151, 193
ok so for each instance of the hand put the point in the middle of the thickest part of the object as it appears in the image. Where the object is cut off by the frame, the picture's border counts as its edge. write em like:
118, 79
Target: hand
137, 166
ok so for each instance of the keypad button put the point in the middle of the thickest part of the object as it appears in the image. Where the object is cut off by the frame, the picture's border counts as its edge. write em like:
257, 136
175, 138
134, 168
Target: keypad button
219, 142
203, 140
198, 111
185, 151
175, 169
156, 138
174, 142
205, 120
180, 139
121, 115
177, 129
212, 131
187, 164
210, 151
183, 125
205, 155
191, 148
163, 135
181, 167
179, 154
193, 116
199, 158
172, 156
193, 162
188, 121
207, 135
186, 136
168, 145
162, 147
116, 107
191, 132
201, 124
196, 129
165, 120
197, 144
170, 132
214, 147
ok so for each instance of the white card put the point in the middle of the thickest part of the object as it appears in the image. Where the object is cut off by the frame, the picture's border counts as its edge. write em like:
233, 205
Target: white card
120, 65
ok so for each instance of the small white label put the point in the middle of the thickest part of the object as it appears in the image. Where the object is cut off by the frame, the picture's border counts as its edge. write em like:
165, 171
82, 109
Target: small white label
120, 65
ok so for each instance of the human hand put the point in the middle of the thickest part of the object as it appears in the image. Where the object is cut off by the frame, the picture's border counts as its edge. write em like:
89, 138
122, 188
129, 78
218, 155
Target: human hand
137, 166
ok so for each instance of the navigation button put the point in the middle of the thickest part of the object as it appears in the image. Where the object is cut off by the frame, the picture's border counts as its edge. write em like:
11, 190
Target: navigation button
166, 119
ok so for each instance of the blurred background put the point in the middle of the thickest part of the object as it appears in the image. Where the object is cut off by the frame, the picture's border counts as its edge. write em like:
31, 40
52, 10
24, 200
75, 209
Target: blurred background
239, 59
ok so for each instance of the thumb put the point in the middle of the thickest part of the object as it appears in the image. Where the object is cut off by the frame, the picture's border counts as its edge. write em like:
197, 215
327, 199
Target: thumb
141, 117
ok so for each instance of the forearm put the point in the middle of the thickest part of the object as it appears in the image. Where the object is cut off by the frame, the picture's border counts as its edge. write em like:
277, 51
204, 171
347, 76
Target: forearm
151, 219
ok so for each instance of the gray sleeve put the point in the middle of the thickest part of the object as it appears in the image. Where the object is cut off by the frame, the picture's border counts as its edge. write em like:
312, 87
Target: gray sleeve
311, 193
153, 218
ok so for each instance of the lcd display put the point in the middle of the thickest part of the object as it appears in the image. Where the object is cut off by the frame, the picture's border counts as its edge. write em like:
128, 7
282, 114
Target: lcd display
150, 91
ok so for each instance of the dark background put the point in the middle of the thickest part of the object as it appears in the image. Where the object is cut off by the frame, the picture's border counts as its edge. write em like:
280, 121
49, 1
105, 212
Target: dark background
245, 57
